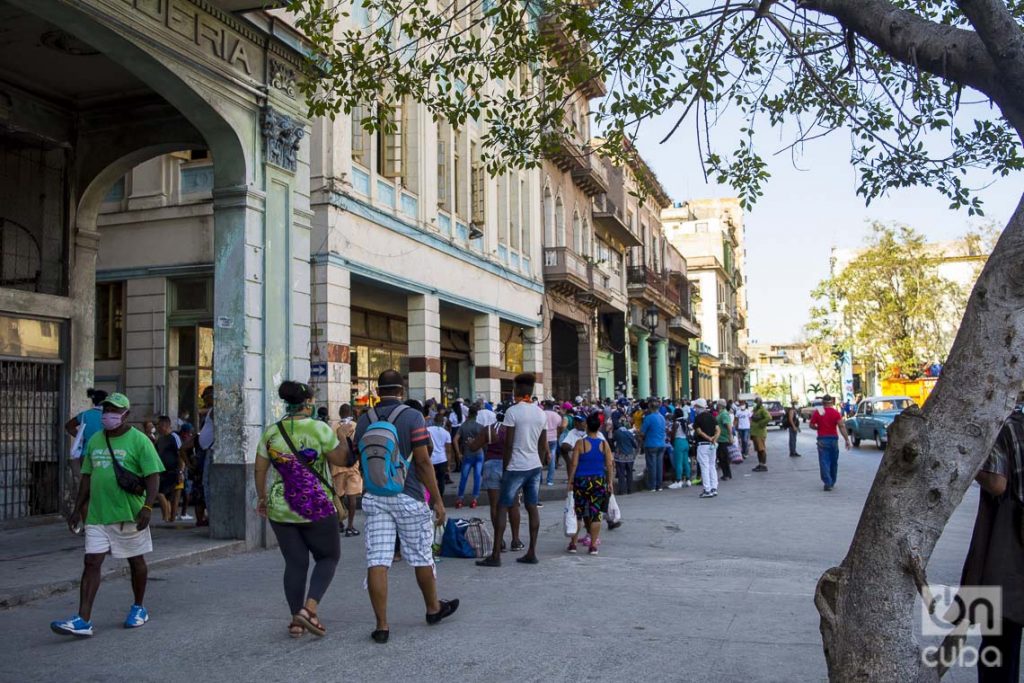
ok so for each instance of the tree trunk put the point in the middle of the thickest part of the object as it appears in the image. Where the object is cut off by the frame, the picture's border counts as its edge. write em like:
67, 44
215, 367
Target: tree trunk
867, 603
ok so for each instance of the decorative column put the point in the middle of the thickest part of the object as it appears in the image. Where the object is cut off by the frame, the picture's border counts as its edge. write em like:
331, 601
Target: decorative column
643, 362
533, 357
487, 356
587, 355
627, 349
661, 368
330, 367
424, 346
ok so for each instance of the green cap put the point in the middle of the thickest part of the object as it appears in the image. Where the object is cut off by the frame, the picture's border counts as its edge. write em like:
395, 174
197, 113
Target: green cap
118, 401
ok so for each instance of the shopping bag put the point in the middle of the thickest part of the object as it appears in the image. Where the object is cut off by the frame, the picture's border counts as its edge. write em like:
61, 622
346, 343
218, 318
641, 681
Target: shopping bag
735, 456
614, 514
78, 445
454, 542
570, 515
479, 537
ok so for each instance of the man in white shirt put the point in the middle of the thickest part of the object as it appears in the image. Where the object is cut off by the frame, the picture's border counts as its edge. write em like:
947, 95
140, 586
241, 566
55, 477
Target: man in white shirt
743, 413
526, 453
485, 417
441, 442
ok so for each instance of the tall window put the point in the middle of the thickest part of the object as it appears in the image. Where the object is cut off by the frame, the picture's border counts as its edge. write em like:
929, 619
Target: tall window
360, 137
549, 218
410, 146
478, 183
389, 142
514, 224
502, 183
444, 168
461, 184
559, 222
524, 207
577, 233
109, 320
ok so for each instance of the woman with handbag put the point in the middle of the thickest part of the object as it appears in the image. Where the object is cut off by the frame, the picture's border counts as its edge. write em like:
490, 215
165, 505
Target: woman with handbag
299, 503
590, 482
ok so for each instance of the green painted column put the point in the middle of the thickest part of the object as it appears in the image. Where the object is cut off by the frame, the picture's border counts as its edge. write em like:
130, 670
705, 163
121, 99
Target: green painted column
643, 365
661, 368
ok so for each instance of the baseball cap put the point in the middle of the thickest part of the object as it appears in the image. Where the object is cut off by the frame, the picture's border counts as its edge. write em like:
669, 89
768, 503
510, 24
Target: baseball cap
118, 401
580, 416
701, 403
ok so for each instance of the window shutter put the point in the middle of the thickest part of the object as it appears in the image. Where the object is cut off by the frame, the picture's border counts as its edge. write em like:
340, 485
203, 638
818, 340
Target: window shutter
478, 214
442, 172
393, 167
358, 134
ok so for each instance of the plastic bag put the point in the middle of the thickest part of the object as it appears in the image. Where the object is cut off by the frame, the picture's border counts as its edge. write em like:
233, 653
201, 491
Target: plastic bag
735, 456
614, 514
570, 515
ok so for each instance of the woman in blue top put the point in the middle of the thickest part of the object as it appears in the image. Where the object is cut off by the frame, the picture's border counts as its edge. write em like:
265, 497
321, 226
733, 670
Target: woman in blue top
590, 477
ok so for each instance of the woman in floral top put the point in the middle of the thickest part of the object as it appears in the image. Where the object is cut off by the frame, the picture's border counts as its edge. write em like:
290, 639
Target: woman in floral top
299, 503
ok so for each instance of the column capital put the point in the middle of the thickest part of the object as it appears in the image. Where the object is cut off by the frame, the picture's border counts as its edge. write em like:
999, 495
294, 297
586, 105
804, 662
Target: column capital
239, 196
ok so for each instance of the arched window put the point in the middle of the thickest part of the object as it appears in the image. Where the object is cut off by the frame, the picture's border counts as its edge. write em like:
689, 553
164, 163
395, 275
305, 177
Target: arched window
587, 249
549, 217
559, 222
577, 232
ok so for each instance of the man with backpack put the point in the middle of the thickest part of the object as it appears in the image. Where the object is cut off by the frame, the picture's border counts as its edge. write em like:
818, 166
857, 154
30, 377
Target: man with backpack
394, 448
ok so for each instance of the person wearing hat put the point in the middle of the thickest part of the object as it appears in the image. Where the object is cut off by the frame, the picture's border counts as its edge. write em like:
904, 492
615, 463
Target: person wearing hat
706, 431
117, 521
829, 423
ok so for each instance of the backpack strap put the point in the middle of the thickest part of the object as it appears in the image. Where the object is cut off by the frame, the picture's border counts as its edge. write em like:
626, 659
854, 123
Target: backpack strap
372, 414
398, 410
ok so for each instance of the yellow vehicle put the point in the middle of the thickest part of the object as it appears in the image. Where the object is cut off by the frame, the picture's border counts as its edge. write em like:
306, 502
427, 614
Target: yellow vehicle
917, 389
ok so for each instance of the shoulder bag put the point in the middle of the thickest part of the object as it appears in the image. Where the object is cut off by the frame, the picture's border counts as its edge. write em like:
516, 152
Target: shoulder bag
128, 481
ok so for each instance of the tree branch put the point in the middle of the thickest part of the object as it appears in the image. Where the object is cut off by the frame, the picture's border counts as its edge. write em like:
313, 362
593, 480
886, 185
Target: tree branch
1002, 37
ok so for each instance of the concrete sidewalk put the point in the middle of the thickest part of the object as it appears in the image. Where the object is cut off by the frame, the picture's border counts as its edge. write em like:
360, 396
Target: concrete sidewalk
39, 561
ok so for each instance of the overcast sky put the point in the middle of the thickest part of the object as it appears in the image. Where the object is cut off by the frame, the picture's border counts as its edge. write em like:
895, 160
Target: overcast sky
804, 212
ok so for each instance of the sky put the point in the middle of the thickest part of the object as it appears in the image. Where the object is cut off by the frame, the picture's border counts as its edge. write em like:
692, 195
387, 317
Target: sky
806, 211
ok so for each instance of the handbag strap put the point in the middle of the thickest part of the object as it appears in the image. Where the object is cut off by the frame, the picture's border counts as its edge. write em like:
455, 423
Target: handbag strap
295, 452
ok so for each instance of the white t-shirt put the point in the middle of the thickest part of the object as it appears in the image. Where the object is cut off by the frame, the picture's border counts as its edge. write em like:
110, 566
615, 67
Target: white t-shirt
743, 418
529, 422
486, 417
439, 438
575, 435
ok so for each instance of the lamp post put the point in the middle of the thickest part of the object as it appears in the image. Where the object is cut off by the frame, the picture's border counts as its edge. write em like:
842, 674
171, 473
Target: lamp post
651, 319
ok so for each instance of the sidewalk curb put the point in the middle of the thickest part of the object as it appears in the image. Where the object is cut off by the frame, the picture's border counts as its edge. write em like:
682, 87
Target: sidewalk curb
46, 590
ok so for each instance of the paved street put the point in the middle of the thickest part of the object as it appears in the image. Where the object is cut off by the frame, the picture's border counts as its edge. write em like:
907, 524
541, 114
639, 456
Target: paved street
687, 589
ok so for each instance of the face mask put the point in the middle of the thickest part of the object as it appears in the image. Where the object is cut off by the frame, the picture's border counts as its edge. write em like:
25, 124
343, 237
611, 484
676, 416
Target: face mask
112, 421
346, 420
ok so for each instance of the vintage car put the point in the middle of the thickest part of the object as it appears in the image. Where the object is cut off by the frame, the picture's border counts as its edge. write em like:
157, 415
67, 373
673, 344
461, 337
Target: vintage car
873, 417
777, 412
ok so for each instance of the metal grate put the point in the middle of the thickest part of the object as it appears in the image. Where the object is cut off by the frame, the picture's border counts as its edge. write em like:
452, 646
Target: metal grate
30, 443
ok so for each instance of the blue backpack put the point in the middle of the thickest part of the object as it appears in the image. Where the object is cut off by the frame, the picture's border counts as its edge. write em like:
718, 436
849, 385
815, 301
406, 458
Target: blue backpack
380, 452
454, 542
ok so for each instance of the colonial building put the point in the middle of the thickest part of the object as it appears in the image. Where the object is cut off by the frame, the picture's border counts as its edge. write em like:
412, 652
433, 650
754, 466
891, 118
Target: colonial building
710, 235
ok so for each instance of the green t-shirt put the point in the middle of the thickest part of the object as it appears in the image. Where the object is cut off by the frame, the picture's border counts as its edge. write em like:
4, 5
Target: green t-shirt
724, 420
304, 433
108, 502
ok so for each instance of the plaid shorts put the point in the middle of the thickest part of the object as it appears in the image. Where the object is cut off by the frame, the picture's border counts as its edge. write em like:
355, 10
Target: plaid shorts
411, 520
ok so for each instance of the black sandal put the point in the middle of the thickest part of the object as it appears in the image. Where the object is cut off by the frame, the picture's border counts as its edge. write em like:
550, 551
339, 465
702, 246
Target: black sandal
380, 636
351, 531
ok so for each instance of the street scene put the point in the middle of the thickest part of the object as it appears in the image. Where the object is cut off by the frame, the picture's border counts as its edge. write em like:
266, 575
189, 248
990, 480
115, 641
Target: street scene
536, 339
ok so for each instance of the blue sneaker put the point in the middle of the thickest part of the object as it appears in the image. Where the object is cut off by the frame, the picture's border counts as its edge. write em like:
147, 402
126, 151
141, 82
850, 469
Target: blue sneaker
137, 616
75, 626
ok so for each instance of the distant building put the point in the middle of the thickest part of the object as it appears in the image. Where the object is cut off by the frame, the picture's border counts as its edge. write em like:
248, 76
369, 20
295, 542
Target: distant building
785, 364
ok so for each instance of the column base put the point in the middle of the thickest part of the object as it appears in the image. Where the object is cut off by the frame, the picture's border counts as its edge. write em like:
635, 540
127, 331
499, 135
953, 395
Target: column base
231, 505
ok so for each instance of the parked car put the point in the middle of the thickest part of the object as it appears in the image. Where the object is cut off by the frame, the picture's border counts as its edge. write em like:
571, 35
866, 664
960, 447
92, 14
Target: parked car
873, 417
807, 410
777, 412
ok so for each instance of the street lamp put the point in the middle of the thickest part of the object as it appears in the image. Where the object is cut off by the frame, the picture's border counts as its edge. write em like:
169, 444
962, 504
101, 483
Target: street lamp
651, 319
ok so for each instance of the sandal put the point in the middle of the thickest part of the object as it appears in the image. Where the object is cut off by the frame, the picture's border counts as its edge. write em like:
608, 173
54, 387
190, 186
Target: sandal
296, 630
517, 546
310, 622
351, 531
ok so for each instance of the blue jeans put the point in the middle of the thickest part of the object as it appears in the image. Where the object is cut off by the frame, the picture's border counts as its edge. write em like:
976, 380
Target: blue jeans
475, 463
514, 480
744, 435
553, 463
681, 459
654, 456
828, 459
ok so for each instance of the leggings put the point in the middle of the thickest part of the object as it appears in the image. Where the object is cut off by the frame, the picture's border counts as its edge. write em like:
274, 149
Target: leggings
297, 542
681, 458
475, 463
440, 470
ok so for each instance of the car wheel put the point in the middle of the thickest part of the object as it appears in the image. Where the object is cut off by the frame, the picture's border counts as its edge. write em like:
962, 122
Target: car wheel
856, 442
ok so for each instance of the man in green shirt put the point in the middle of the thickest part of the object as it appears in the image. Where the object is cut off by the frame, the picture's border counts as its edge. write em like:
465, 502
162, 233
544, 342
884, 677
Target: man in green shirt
759, 433
724, 421
117, 521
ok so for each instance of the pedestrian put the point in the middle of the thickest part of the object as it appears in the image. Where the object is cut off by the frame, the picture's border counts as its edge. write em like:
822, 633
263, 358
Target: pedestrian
82, 428
759, 433
348, 480
299, 503
472, 459
186, 471
706, 431
402, 516
117, 521
207, 433
492, 440
680, 449
441, 449
792, 422
169, 446
725, 437
625, 457
743, 415
829, 424
555, 423
652, 429
590, 482
526, 452
996, 554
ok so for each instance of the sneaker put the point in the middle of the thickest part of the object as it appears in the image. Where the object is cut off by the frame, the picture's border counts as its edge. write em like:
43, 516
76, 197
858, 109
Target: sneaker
137, 616
706, 494
571, 548
75, 626
714, 492
551, 483
695, 481
676, 485
687, 484
186, 517
540, 504
760, 468
827, 487
593, 550
458, 504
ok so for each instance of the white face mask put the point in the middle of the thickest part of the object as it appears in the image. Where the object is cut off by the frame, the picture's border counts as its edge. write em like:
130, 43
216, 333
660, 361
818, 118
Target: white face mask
346, 420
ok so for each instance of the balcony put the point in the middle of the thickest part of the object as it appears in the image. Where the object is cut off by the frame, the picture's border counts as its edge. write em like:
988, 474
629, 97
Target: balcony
610, 222
645, 284
724, 314
566, 272
600, 285
567, 50
565, 153
688, 327
590, 176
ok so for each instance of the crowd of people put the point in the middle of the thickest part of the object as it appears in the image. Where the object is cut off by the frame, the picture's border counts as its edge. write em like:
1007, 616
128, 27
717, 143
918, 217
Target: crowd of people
394, 460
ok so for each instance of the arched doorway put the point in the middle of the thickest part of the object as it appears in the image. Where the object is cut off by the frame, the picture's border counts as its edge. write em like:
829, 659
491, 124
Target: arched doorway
565, 360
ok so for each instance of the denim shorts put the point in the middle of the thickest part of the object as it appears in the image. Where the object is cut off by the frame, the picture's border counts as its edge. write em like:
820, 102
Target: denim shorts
527, 480
490, 478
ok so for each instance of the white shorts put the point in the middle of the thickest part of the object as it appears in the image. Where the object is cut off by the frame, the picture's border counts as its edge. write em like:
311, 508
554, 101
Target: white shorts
120, 540
408, 519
